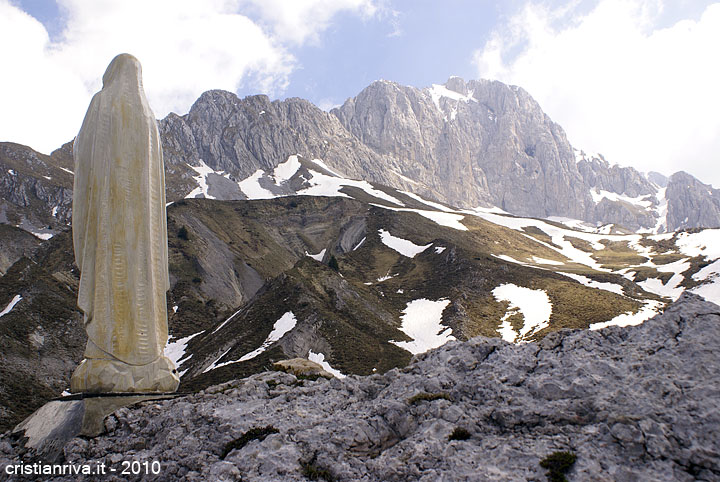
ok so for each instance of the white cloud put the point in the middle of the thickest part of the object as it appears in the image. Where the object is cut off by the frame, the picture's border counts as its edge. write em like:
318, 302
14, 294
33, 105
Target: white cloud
301, 21
186, 47
642, 95
327, 104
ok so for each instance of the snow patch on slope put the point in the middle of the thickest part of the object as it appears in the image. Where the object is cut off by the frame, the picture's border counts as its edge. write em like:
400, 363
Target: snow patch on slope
360, 243
709, 291
432, 204
286, 323
661, 211
42, 235
709, 272
320, 163
650, 309
203, 171
612, 287
252, 189
402, 246
640, 201
533, 305
509, 259
672, 288
574, 223
16, 299
175, 350
559, 237
285, 170
538, 260
227, 320
319, 358
324, 185
422, 321
317, 257
447, 219
704, 243
438, 91
386, 277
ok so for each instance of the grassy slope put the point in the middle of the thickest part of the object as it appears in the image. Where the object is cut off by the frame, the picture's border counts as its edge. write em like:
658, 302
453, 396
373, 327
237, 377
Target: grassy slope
348, 315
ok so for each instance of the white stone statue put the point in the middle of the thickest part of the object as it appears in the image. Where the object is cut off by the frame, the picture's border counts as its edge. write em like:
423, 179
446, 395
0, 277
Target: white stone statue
120, 239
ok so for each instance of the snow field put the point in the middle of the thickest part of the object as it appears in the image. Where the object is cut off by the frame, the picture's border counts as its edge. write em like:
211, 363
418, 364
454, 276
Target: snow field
324, 185
438, 91
450, 220
175, 350
202, 190
534, 305
252, 189
422, 321
402, 246
283, 325
612, 287
286, 323
650, 309
319, 358
641, 201
317, 257
705, 243
285, 170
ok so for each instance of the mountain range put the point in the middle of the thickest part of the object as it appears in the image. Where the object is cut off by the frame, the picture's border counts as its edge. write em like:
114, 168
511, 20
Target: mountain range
468, 144
359, 237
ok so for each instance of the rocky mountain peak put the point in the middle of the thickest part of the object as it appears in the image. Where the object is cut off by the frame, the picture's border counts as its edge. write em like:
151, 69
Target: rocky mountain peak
695, 204
657, 178
465, 143
457, 84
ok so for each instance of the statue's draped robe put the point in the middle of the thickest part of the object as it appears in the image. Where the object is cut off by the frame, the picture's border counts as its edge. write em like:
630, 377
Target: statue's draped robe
119, 223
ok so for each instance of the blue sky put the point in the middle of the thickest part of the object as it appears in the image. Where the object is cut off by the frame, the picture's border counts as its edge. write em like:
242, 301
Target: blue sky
425, 42
635, 80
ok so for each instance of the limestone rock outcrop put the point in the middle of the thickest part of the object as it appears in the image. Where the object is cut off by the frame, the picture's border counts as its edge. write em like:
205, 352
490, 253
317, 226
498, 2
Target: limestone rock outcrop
692, 204
637, 403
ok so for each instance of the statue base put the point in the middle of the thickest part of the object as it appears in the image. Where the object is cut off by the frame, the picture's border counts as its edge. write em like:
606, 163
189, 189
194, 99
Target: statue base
42, 436
101, 375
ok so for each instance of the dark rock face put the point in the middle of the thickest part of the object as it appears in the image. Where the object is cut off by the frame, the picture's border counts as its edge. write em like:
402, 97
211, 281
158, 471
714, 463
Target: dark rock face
42, 339
35, 189
14, 244
691, 203
635, 403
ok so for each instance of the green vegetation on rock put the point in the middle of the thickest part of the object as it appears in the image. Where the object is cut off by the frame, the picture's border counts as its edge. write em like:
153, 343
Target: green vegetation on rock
558, 464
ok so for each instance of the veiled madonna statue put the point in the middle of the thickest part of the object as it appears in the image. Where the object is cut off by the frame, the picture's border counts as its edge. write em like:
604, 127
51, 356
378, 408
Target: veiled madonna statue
120, 239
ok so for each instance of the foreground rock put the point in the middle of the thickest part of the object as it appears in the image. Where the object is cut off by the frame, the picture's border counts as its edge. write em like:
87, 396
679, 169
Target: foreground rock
638, 403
